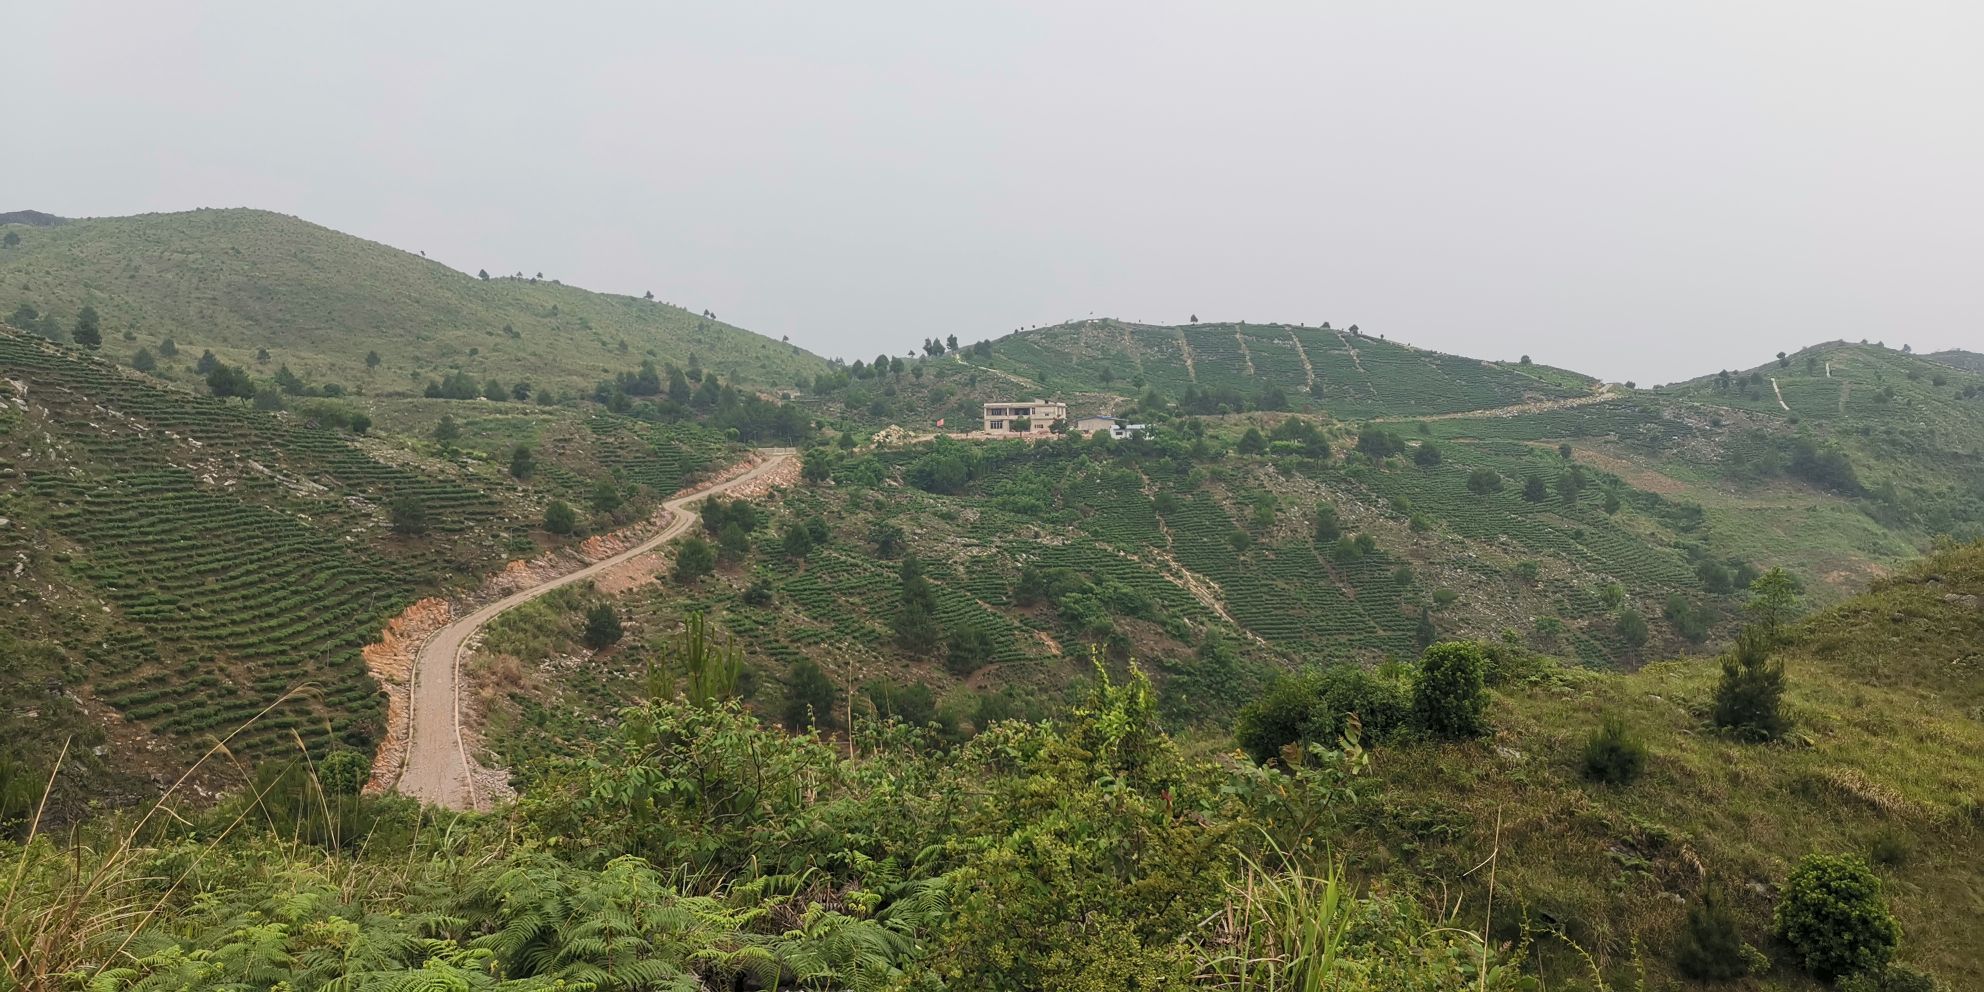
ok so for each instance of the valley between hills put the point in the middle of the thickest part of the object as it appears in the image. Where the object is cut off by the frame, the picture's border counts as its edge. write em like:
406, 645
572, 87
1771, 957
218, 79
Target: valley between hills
897, 703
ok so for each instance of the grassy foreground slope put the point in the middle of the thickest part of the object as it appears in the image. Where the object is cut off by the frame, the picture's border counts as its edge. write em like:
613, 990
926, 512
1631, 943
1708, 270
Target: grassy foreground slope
1886, 760
236, 281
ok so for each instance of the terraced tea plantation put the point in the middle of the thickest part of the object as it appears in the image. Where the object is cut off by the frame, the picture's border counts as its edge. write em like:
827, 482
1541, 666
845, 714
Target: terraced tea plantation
660, 456
1345, 374
201, 560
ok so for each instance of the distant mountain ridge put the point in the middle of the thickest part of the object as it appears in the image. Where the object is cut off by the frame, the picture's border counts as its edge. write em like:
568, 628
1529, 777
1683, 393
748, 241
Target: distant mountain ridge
32, 218
1957, 358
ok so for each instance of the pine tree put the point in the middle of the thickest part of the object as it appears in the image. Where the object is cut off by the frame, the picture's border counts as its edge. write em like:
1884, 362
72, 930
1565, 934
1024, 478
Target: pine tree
409, 515
1711, 946
810, 698
1749, 701
916, 624
1773, 601
1612, 755
88, 331
710, 671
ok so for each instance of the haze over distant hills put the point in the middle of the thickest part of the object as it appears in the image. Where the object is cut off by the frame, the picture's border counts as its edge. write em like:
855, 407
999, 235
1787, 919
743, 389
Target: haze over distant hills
238, 281
193, 544
1960, 359
31, 218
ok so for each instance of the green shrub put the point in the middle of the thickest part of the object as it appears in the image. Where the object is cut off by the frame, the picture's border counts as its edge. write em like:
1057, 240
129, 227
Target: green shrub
1448, 697
1631, 627
1711, 947
1612, 755
560, 518
602, 626
1315, 706
809, 698
343, 772
1834, 917
694, 558
409, 515
967, 650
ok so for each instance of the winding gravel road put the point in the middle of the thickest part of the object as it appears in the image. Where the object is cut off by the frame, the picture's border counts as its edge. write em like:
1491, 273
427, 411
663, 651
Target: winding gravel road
438, 767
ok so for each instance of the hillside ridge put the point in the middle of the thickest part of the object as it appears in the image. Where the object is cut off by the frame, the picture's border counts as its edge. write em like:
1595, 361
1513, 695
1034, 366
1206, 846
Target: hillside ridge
265, 289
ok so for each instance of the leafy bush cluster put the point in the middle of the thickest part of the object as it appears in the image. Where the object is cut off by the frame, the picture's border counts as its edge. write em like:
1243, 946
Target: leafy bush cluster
1446, 697
1834, 917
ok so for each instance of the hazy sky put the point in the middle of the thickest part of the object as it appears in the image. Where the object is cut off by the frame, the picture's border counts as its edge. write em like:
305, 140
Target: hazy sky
1639, 190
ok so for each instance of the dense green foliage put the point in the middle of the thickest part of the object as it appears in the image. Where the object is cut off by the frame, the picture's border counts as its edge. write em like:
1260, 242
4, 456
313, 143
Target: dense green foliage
1321, 706
1834, 917
1449, 698
698, 849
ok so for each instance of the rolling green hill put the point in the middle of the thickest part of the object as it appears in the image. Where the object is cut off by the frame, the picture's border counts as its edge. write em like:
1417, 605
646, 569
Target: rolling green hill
1342, 372
1901, 433
1968, 360
239, 281
177, 562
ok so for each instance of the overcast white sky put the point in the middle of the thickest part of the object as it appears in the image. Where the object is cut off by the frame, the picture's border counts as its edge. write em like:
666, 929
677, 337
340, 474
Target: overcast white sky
1638, 190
